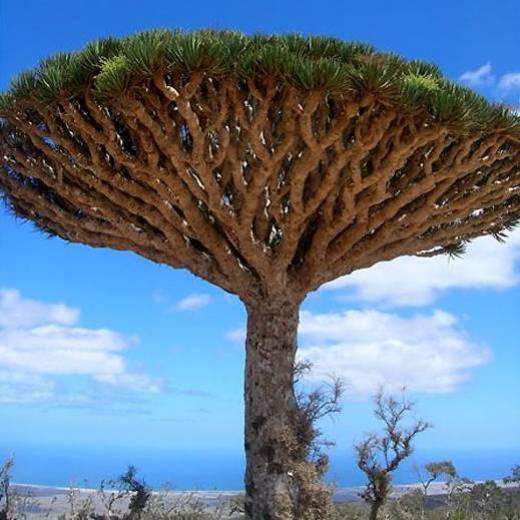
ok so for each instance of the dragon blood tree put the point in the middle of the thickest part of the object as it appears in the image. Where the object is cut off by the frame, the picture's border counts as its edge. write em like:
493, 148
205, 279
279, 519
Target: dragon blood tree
267, 165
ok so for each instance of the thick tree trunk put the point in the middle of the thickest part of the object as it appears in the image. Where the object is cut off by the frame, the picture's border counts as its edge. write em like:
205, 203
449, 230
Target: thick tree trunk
278, 478
270, 407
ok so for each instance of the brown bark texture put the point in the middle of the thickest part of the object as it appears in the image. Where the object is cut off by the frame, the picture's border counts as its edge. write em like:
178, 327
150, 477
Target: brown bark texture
281, 482
255, 185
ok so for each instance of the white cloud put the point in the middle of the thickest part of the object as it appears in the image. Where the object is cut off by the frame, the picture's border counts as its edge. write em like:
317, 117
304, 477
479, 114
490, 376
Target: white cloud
509, 81
424, 352
16, 311
412, 281
370, 349
479, 77
57, 350
17, 387
39, 343
483, 77
193, 302
131, 381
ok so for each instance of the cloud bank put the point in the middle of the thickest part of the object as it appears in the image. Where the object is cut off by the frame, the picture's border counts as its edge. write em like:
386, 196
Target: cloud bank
369, 349
478, 77
427, 353
413, 281
41, 344
483, 76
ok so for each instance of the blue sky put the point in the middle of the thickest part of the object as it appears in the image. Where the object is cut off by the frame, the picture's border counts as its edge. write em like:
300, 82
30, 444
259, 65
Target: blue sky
102, 348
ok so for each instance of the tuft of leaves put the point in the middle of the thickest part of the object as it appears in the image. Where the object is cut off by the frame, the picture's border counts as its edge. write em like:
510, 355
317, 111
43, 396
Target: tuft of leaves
422, 68
90, 59
418, 90
205, 51
144, 52
376, 77
111, 66
7, 100
455, 250
58, 74
24, 85
114, 76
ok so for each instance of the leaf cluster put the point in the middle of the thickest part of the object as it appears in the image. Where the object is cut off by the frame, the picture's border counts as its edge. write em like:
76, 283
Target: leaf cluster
111, 67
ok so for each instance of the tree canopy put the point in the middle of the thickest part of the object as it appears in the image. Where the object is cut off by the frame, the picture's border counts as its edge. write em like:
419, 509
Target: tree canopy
113, 66
257, 162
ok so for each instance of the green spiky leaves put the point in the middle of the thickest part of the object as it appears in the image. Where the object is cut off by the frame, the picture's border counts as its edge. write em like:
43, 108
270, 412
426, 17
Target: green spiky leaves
295, 68
25, 84
114, 75
455, 250
322, 74
110, 67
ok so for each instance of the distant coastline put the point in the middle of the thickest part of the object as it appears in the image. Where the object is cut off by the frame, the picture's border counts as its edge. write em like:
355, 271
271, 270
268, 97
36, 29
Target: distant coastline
209, 497
57, 466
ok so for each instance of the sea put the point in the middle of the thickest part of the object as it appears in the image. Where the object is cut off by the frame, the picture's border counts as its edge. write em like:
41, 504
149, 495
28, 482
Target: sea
87, 466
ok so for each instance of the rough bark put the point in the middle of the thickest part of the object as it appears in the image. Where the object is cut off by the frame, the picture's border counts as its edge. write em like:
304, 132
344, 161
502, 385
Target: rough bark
281, 483
269, 405
254, 185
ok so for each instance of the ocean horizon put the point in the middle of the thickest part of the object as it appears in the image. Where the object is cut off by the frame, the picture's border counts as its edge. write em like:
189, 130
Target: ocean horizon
87, 466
